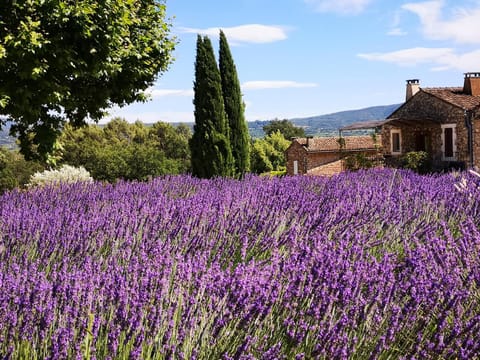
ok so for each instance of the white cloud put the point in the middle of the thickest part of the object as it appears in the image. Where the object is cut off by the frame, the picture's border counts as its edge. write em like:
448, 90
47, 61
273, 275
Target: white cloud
157, 93
339, 6
462, 27
397, 32
249, 33
258, 85
438, 58
410, 57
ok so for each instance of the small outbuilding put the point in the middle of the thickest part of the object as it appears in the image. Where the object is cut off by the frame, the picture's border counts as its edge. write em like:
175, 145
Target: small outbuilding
324, 155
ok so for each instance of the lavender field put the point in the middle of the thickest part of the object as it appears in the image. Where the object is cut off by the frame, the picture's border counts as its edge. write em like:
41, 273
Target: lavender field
378, 264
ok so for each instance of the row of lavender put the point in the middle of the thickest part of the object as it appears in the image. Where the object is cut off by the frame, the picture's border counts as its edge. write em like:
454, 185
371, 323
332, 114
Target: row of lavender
375, 264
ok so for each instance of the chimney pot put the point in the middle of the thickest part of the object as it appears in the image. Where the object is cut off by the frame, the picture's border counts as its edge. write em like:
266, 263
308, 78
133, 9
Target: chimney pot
413, 86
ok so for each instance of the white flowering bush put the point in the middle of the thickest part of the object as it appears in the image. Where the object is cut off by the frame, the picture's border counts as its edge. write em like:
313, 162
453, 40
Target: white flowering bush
65, 174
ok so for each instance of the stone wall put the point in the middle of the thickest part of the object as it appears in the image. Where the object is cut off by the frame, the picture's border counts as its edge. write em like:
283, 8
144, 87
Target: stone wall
296, 152
426, 106
425, 114
313, 159
476, 143
432, 133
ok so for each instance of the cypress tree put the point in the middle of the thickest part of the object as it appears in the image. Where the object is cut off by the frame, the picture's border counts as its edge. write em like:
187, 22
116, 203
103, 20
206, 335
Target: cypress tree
234, 108
210, 143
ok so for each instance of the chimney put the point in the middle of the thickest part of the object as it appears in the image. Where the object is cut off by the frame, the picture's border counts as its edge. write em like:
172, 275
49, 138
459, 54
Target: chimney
413, 85
308, 140
471, 85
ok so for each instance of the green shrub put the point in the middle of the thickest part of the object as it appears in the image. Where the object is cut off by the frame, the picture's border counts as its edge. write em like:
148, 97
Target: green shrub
15, 171
416, 161
358, 161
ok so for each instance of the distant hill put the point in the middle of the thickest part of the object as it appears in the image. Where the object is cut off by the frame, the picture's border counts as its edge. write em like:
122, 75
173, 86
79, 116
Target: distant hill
321, 125
328, 124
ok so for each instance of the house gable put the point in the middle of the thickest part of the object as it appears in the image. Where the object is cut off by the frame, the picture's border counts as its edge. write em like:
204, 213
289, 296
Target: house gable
425, 106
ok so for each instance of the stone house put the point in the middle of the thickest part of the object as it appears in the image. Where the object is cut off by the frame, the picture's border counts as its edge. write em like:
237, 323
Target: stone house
444, 122
323, 155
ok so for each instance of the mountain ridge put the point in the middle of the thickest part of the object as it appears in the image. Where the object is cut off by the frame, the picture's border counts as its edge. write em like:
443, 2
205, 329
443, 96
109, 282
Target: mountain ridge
328, 124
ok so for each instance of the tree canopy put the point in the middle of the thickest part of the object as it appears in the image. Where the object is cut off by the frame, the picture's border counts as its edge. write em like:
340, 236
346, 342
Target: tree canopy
71, 60
286, 128
127, 151
268, 154
210, 144
234, 108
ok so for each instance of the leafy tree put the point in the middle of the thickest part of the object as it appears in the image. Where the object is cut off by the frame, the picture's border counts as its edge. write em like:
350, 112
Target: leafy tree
268, 154
70, 60
234, 108
118, 130
210, 148
15, 171
126, 151
173, 142
286, 127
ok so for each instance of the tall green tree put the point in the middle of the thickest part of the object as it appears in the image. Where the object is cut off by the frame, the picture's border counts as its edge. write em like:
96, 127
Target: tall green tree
211, 153
234, 108
69, 60
286, 128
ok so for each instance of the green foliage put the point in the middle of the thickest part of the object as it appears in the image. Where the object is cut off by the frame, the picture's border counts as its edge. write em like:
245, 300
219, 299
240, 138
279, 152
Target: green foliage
71, 60
127, 151
15, 171
173, 142
234, 108
210, 148
268, 154
416, 161
358, 161
286, 128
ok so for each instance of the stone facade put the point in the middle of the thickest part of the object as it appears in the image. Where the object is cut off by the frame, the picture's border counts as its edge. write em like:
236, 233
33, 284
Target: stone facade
421, 121
476, 142
296, 152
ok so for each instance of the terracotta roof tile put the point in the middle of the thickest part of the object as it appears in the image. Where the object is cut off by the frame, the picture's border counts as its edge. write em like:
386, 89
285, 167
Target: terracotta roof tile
329, 144
455, 96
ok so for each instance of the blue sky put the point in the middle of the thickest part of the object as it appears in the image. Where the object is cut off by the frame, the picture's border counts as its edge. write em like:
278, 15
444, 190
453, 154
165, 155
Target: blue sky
298, 58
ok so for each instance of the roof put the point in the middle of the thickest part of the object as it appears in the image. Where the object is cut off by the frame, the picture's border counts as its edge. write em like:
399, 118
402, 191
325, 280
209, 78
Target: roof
331, 144
454, 96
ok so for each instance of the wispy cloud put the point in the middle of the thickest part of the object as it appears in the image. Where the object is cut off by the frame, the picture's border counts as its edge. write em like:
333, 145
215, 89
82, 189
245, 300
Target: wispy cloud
339, 6
463, 26
397, 32
158, 93
249, 33
258, 85
438, 58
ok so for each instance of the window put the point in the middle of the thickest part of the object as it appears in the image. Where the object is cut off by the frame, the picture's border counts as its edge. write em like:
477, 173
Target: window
449, 139
396, 141
295, 167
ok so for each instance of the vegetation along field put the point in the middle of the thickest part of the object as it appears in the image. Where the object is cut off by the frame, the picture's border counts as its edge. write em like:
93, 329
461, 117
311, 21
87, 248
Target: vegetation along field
380, 264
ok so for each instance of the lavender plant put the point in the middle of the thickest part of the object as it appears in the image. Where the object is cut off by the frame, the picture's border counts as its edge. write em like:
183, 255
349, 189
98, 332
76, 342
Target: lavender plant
379, 264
